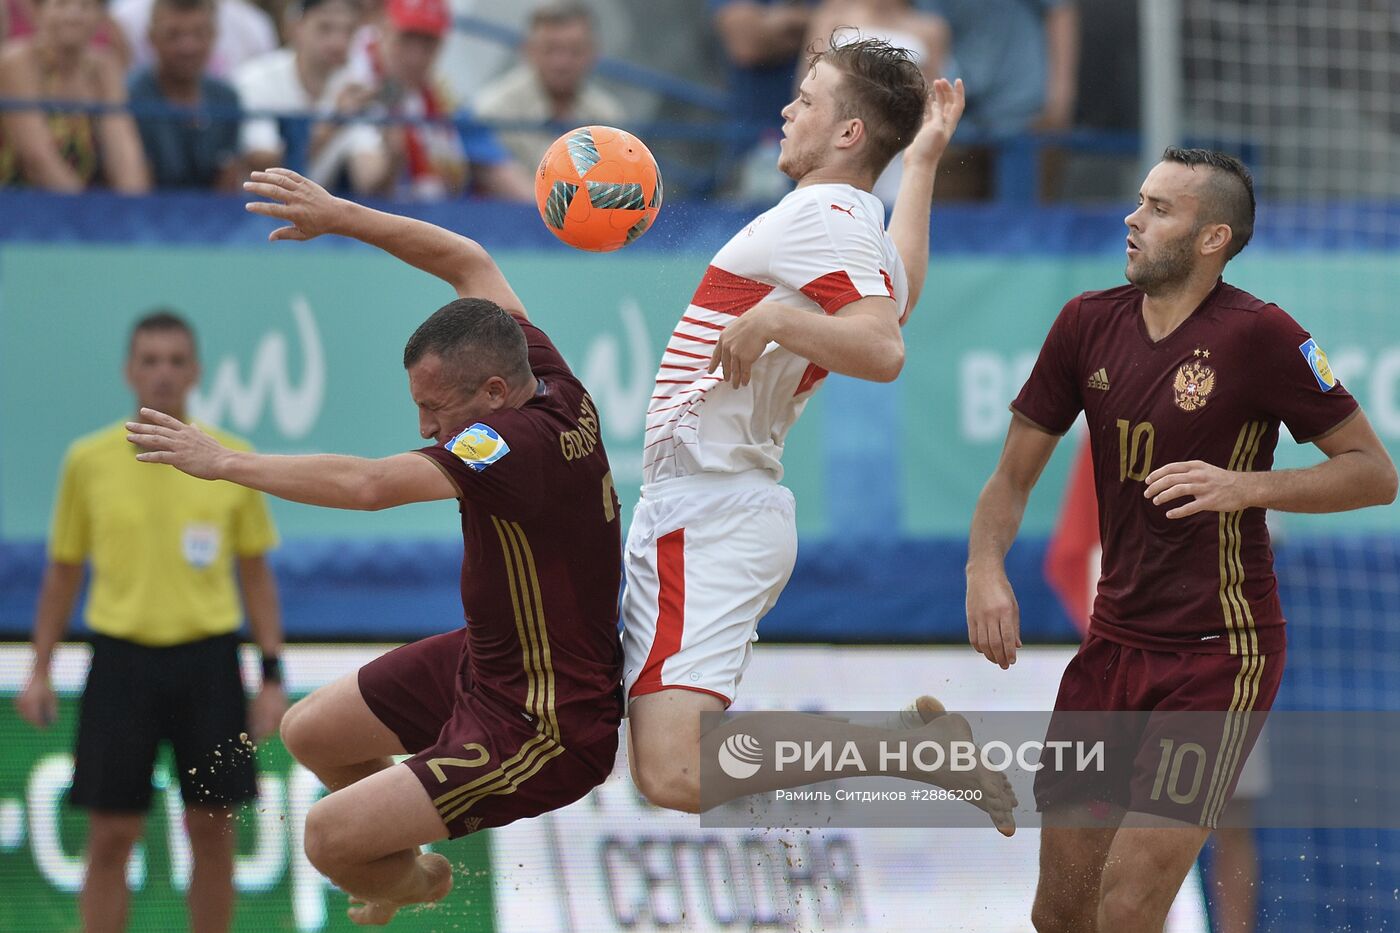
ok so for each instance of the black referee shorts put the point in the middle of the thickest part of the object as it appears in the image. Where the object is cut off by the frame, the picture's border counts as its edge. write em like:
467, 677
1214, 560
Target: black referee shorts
137, 697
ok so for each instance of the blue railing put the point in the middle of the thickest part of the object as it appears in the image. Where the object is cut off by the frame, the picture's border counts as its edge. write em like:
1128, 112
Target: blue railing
1017, 157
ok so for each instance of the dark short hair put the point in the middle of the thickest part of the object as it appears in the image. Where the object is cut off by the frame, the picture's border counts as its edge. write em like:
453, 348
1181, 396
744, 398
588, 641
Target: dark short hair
476, 339
881, 86
186, 6
1228, 197
561, 13
302, 7
161, 320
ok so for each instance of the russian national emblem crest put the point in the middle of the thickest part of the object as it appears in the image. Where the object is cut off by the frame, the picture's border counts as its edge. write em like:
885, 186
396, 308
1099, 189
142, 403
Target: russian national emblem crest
1193, 384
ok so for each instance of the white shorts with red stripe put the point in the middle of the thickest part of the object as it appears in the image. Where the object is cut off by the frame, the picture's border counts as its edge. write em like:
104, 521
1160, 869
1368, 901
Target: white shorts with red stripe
706, 558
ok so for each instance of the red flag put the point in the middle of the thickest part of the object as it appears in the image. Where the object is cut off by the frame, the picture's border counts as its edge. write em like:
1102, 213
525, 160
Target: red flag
1072, 560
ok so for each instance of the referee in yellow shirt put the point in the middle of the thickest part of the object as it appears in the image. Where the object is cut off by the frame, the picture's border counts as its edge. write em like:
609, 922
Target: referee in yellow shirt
164, 612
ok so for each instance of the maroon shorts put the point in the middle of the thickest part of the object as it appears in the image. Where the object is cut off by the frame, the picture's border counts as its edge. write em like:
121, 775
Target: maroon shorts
1176, 728
480, 765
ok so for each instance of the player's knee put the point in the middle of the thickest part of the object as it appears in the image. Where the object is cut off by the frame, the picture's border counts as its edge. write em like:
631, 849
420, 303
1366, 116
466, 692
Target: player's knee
299, 732
110, 841
210, 830
1049, 916
1128, 902
1119, 910
668, 785
324, 849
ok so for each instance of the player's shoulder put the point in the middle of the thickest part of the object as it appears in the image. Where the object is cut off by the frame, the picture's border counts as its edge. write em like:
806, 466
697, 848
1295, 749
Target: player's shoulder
1108, 297
1261, 319
534, 333
543, 432
479, 445
546, 360
1228, 297
816, 202
797, 201
1104, 303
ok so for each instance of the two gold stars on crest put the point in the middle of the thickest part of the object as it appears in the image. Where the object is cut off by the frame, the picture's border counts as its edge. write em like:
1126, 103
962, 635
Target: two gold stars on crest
1202, 353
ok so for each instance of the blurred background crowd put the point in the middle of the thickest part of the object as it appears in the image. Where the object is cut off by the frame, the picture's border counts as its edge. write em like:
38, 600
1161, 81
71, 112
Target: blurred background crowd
434, 99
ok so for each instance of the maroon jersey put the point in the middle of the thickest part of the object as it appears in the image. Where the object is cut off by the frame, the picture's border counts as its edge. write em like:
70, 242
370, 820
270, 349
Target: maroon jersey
542, 561
1215, 389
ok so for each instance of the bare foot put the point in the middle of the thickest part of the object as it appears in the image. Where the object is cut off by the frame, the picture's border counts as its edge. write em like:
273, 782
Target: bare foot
922, 711
988, 790
433, 884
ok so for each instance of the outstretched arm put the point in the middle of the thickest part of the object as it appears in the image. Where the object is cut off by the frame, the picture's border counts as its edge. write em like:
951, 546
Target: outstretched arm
311, 211
909, 223
993, 617
1357, 473
328, 480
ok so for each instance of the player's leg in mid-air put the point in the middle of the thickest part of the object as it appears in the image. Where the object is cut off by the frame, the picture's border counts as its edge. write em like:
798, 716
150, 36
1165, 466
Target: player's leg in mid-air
668, 723
364, 836
702, 570
694, 599
335, 735
471, 768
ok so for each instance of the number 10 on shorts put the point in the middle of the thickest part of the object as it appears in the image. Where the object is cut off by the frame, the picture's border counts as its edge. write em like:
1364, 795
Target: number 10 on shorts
1170, 768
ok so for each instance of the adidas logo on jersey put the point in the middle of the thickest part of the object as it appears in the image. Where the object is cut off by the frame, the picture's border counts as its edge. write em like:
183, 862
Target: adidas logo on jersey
1099, 380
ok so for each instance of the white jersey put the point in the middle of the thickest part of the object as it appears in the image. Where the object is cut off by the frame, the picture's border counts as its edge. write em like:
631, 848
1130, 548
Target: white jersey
819, 248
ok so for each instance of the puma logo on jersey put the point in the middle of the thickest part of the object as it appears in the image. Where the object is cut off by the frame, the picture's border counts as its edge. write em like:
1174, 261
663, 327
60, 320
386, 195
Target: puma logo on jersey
845, 210
1099, 380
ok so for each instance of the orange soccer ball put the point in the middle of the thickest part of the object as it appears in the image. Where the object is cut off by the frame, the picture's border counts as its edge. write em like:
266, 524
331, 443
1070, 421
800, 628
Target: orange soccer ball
598, 188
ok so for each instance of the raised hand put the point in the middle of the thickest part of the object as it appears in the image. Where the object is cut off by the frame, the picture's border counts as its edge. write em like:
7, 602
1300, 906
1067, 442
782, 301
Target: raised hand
309, 209
941, 115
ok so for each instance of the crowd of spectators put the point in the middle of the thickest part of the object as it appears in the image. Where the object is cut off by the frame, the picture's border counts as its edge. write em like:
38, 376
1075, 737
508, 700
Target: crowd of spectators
196, 93
1018, 59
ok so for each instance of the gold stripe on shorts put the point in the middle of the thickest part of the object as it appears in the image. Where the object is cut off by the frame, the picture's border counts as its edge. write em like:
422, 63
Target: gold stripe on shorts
527, 603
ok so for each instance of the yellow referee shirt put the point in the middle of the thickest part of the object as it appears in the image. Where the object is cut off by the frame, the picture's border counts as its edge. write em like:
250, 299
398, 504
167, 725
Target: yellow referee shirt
161, 543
